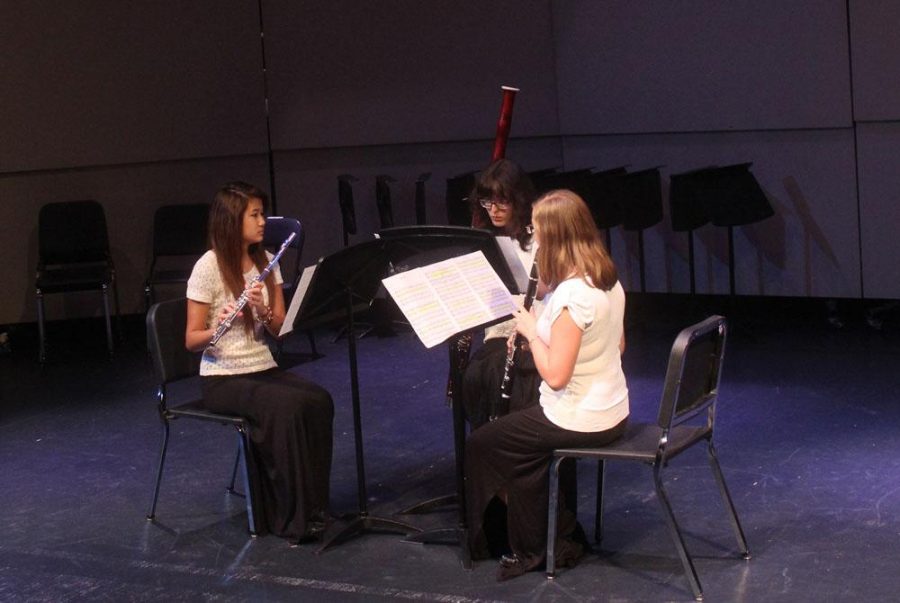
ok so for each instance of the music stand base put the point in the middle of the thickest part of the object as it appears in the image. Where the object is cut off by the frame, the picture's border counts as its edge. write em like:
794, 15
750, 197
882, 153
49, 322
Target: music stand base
432, 504
363, 522
453, 536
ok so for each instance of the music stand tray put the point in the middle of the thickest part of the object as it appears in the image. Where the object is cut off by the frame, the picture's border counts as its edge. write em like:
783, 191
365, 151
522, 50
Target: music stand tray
416, 246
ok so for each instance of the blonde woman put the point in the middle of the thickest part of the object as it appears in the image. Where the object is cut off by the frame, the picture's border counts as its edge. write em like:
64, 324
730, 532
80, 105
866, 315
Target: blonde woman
576, 343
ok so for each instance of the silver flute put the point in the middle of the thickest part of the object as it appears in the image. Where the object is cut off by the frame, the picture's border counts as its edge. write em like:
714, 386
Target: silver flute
245, 296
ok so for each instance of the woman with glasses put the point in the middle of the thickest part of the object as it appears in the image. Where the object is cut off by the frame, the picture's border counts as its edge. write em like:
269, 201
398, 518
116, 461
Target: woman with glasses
501, 202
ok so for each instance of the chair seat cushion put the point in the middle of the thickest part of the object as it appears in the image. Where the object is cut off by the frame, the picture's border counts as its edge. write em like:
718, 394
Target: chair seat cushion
640, 443
73, 278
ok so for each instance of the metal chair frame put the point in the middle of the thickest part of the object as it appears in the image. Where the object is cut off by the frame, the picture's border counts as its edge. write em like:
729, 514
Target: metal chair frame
691, 390
172, 362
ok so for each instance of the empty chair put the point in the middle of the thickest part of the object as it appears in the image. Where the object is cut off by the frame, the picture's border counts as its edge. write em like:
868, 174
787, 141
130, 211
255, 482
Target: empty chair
74, 255
179, 238
690, 392
172, 362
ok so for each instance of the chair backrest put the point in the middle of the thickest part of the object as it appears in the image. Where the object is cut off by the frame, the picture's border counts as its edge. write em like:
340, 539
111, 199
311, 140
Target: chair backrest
72, 232
345, 201
180, 229
692, 378
277, 230
166, 323
383, 201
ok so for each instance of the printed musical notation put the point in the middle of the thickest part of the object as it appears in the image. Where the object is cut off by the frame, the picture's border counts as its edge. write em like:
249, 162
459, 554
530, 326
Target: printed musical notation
444, 298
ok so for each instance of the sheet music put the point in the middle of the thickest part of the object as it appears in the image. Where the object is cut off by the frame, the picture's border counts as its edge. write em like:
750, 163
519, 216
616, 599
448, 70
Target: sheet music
297, 300
450, 296
512, 253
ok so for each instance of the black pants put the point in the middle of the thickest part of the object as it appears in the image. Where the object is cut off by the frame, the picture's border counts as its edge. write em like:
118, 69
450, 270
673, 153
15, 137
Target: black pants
291, 442
513, 454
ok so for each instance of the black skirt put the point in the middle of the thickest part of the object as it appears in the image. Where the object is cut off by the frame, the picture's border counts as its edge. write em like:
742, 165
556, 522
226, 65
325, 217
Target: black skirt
512, 455
484, 375
291, 434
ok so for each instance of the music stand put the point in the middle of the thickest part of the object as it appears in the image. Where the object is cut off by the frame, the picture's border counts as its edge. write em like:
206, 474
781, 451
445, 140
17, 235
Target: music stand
420, 197
642, 209
458, 189
412, 247
383, 200
343, 284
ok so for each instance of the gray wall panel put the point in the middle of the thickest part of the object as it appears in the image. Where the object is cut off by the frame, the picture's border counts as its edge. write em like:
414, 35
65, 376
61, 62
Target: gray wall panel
347, 73
879, 200
105, 82
876, 59
644, 66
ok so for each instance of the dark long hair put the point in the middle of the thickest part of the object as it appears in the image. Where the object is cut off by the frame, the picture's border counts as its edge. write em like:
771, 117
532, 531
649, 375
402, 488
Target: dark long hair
226, 223
570, 242
504, 179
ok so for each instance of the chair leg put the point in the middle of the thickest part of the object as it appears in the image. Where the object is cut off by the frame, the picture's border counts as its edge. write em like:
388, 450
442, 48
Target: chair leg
552, 516
726, 498
601, 482
244, 439
115, 290
677, 538
42, 350
109, 336
312, 343
234, 470
159, 471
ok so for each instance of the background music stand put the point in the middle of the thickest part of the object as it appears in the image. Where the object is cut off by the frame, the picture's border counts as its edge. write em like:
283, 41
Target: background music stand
412, 247
420, 197
345, 283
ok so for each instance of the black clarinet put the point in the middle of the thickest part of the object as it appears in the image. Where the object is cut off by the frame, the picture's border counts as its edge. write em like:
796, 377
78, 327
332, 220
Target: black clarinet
506, 384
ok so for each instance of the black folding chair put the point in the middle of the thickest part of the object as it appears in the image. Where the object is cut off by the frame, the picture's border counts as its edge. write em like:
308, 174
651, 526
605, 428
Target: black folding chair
691, 387
179, 238
74, 255
172, 362
277, 230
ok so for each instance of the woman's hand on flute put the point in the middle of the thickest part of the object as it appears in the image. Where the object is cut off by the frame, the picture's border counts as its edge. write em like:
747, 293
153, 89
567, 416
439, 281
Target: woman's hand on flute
226, 311
255, 298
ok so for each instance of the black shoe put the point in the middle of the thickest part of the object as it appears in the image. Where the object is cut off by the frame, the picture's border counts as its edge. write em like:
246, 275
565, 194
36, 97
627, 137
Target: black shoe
511, 566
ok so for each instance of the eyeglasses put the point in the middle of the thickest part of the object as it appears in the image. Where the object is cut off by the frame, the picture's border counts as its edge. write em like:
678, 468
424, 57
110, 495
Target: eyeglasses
486, 203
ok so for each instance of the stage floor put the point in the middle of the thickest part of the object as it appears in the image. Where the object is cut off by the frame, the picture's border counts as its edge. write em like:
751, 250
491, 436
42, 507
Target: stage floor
806, 435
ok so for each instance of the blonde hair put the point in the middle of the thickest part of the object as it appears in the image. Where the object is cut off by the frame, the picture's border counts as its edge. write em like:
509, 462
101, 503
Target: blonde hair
570, 243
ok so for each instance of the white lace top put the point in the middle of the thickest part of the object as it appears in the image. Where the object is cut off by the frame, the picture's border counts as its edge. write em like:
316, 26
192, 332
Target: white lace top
237, 352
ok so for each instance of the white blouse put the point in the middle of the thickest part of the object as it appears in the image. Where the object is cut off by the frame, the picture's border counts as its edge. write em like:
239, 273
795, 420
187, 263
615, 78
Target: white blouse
596, 397
237, 352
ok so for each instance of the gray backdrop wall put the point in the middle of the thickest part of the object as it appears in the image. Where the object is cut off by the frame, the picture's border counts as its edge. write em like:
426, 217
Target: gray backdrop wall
140, 104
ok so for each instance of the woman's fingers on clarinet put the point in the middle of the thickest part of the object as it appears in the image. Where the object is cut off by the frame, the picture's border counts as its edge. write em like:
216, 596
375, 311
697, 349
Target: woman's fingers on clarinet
510, 343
